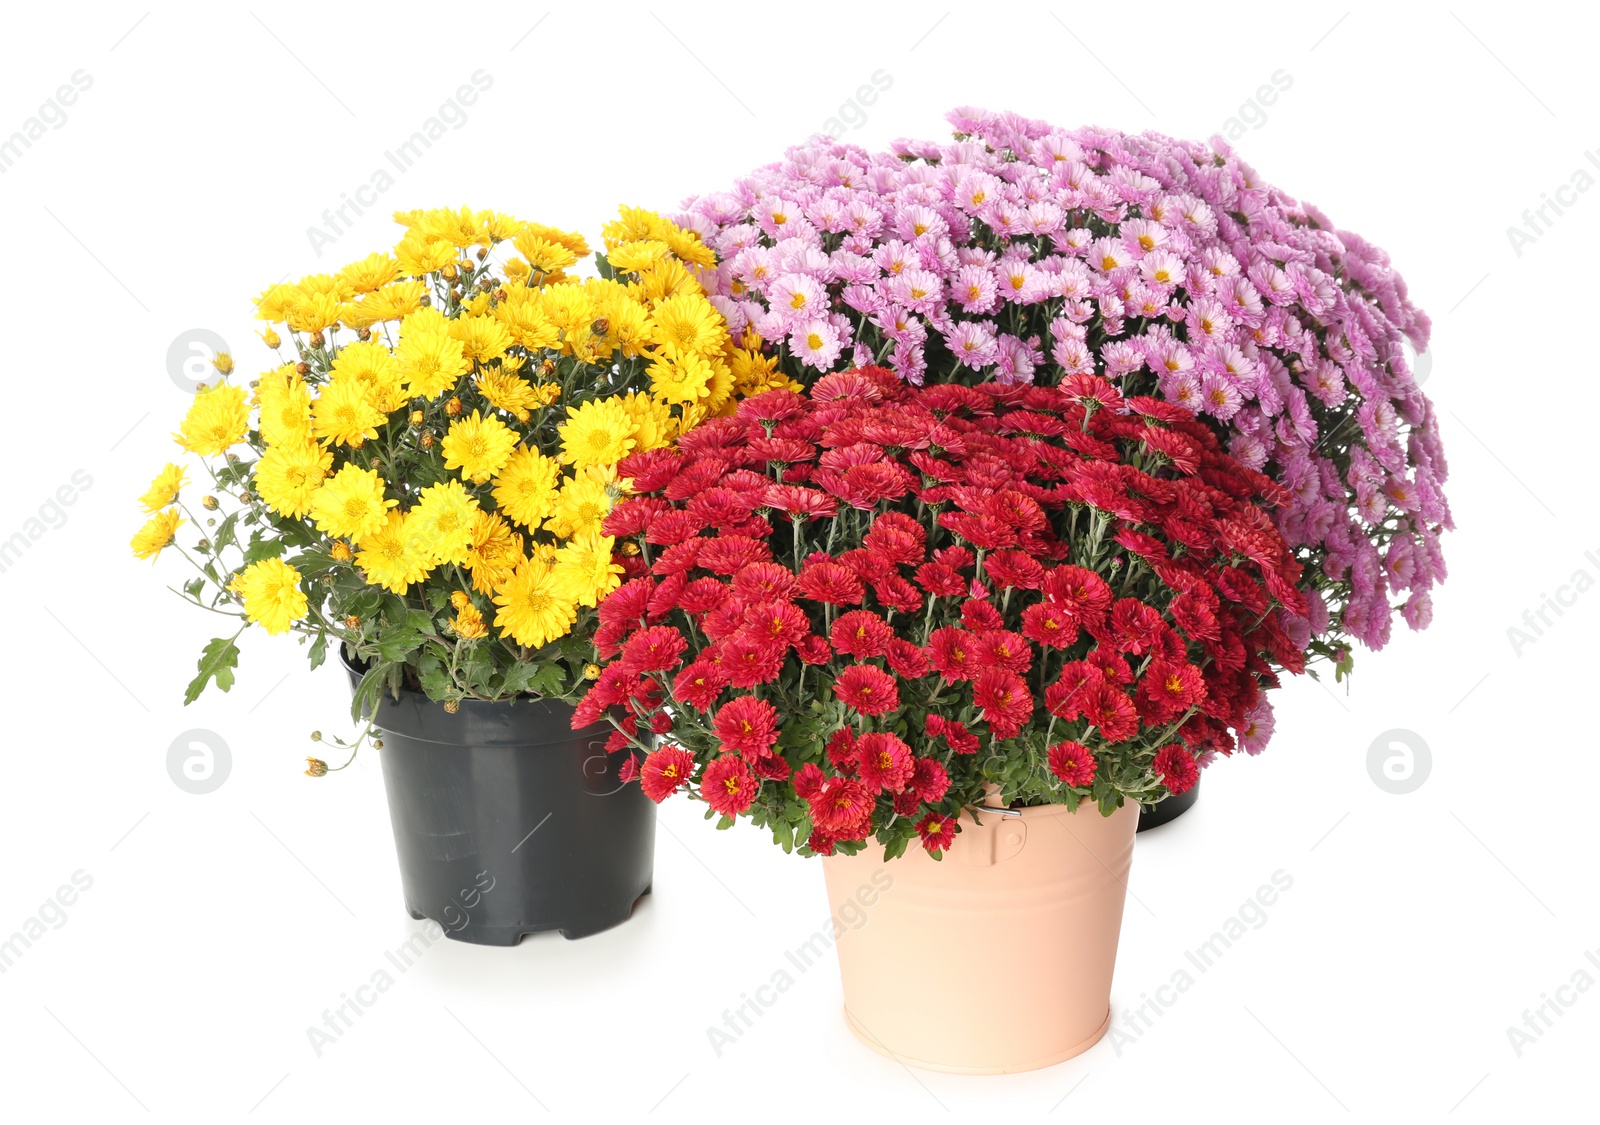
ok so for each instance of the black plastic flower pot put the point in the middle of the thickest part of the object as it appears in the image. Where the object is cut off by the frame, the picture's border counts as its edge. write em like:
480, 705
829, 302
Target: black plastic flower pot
509, 822
1154, 816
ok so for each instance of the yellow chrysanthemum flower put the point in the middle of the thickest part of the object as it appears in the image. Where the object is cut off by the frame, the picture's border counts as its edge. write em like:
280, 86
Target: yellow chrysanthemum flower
271, 593
583, 503
688, 323
482, 338
533, 612
285, 402
393, 302
687, 245
597, 432
156, 534
755, 373
522, 314
542, 254
478, 447
351, 504
394, 557
374, 366
443, 518
289, 474
419, 255
371, 273
681, 378
632, 225
719, 388
666, 277
218, 420
652, 420
312, 312
343, 413
584, 571
569, 309
468, 623
273, 304
504, 390
430, 362
496, 550
633, 256
526, 487
164, 489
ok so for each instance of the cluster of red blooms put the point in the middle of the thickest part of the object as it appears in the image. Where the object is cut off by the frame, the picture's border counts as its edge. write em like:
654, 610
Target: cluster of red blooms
996, 563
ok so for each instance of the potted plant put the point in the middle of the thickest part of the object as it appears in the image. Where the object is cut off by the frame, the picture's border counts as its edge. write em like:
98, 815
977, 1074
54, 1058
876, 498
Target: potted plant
1024, 253
420, 482
962, 632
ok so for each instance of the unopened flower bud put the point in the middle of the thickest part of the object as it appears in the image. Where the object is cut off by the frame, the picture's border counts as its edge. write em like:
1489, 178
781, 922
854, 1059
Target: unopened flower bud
203, 546
352, 621
453, 406
316, 767
223, 362
449, 272
483, 252
363, 334
377, 744
318, 339
600, 327
416, 417
316, 736
302, 368
591, 671
209, 503
630, 548
426, 440
340, 551
451, 706
459, 600
271, 339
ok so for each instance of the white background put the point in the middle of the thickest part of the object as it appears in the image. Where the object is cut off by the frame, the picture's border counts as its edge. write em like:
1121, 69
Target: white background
220, 926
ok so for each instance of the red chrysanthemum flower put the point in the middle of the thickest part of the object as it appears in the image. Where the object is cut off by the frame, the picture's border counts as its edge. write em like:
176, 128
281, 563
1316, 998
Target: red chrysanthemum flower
830, 583
983, 532
862, 634
629, 769
700, 596
781, 622
936, 832
1167, 690
897, 594
676, 526
954, 653
999, 648
1045, 623
747, 725
765, 582
1135, 626
657, 649
728, 554
1014, 569
665, 771
940, 580
1176, 768
930, 781
1110, 711
1082, 594
868, 689
906, 660
1072, 763
842, 808
797, 500
977, 614
729, 785
628, 602
808, 781
1006, 701
883, 761
814, 650
750, 660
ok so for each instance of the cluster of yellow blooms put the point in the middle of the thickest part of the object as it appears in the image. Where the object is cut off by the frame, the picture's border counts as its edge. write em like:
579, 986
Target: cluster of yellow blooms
467, 427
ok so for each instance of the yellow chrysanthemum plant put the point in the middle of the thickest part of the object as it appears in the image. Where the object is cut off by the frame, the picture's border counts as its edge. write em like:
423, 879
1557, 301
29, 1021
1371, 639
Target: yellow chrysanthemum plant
424, 473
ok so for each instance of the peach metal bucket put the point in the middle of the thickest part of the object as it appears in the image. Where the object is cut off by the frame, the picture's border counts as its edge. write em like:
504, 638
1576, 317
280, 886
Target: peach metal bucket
1021, 917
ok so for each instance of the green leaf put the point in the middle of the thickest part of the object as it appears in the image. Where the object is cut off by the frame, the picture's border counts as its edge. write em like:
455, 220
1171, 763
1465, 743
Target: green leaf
260, 548
395, 646
319, 649
217, 662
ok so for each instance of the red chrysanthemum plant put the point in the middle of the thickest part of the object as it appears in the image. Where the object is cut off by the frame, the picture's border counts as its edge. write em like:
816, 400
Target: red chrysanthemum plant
856, 613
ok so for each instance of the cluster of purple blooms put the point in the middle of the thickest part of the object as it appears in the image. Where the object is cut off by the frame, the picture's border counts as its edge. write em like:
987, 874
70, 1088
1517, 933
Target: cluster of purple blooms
1026, 253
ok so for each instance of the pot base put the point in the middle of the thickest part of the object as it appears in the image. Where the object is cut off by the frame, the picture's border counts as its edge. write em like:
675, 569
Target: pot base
570, 929
866, 1037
